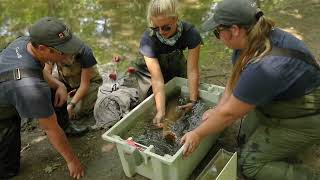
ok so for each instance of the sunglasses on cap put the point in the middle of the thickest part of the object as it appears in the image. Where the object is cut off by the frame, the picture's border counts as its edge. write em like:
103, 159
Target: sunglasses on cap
166, 28
218, 29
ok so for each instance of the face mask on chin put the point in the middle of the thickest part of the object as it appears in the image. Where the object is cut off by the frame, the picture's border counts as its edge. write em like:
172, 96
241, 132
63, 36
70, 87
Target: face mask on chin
172, 40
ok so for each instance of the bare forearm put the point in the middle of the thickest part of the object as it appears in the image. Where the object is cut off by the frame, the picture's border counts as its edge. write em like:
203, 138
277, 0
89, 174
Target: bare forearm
86, 75
57, 137
52, 82
60, 143
225, 96
216, 123
193, 81
159, 96
193, 72
81, 93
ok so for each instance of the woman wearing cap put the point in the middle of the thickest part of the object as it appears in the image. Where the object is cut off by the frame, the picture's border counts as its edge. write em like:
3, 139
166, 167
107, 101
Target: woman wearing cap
162, 46
274, 74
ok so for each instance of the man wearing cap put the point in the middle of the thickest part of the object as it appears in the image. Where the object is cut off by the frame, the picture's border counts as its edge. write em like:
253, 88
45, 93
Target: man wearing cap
25, 92
52, 33
275, 75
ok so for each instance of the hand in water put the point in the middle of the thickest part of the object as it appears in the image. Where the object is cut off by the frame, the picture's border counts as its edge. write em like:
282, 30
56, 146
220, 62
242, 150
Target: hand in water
157, 120
169, 136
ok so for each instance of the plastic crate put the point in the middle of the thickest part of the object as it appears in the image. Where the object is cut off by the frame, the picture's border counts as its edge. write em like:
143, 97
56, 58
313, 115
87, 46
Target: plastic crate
142, 160
223, 166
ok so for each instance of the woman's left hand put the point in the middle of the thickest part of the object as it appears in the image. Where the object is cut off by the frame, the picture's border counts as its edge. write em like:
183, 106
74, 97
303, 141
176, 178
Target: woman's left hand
191, 141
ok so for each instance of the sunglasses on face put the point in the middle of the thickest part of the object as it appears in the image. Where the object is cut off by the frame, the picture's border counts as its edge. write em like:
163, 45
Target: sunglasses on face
218, 29
166, 28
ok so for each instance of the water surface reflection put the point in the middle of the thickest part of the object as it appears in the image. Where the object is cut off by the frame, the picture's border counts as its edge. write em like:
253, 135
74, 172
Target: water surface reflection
108, 26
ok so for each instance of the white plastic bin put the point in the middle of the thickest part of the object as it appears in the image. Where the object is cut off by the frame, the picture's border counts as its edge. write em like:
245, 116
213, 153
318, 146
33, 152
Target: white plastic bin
145, 162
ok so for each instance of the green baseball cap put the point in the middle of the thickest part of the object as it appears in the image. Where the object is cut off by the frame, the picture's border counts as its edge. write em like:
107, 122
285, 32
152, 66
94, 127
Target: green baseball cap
54, 33
232, 12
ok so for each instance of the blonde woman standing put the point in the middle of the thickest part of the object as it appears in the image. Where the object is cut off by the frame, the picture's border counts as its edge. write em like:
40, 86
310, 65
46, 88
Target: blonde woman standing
162, 46
275, 74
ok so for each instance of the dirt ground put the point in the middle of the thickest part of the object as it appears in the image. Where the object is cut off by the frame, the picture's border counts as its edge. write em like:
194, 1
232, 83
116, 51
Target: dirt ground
40, 161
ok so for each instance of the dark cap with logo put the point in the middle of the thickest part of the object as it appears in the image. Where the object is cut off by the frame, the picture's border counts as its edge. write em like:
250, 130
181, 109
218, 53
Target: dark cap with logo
54, 33
232, 12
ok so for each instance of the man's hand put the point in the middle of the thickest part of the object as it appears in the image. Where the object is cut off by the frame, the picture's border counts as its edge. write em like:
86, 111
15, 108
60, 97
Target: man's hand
75, 168
61, 95
191, 141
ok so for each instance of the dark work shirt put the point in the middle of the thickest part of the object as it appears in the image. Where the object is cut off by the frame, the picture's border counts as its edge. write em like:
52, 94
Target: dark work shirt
151, 46
276, 77
86, 57
31, 97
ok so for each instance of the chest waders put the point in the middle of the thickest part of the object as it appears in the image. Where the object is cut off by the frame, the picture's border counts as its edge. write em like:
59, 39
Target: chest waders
70, 74
285, 129
10, 144
172, 64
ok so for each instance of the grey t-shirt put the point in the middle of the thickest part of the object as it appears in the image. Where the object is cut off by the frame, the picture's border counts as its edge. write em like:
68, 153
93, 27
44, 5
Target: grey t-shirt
276, 77
31, 97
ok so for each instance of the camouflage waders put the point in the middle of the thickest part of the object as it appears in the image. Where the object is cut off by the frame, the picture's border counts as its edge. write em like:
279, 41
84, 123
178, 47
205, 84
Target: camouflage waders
70, 74
286, 128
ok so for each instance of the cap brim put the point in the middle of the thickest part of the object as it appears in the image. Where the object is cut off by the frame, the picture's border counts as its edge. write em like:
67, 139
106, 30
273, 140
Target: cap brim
72, 46
209, 24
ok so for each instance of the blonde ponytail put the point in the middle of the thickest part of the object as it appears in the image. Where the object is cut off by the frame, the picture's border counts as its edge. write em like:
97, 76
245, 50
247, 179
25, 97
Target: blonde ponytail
258, 45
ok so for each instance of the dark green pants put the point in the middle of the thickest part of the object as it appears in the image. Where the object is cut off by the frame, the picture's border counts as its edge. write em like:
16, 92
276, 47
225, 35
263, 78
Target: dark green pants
265, 155
10, 146
10, 140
